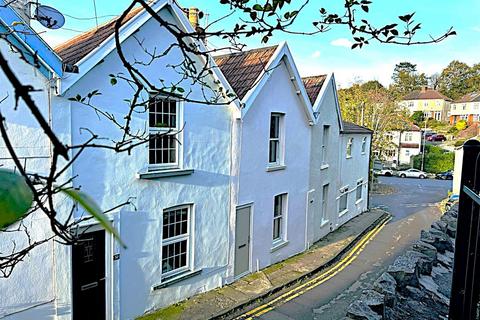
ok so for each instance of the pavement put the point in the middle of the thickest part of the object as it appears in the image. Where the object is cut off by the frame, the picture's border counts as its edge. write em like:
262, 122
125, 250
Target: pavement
414, 206
246, 293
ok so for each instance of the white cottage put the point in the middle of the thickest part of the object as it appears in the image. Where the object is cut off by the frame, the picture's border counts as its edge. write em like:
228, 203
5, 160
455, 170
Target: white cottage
353, 171
339, 162
274, 150
178, 235
404, 144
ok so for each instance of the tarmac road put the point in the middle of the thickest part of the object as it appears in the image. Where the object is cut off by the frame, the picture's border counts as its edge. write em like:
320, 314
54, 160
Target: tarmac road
414, 207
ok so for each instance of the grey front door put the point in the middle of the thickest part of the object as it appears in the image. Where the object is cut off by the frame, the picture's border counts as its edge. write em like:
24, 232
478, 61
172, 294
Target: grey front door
242, 241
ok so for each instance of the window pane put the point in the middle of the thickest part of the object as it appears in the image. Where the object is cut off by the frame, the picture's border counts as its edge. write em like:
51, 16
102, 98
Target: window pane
277, 228
274, 126
163, 149
273, 157
162, 113
277, 210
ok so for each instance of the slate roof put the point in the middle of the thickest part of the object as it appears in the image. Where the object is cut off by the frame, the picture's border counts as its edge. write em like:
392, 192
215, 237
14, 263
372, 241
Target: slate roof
78, 47
428, 94
313, 85
349, 127
242, 69
471, 97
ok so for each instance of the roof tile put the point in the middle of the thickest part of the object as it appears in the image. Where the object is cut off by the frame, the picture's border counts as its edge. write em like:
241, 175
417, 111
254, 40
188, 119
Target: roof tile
75, 49
242, 69
313, 85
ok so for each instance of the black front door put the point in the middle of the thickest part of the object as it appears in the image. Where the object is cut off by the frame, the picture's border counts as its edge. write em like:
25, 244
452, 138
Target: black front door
88, 274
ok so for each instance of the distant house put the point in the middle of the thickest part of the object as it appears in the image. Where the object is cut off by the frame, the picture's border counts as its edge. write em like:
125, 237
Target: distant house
467, 108
432, 103
404, 144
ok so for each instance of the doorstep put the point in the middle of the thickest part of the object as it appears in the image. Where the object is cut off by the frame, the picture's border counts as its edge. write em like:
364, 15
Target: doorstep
249, 289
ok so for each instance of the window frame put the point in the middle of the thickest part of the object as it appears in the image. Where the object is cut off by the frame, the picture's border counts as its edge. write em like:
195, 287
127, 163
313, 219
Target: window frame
364, 145
175, 132
343, 193
282, 217
349, 149
359, 191
325, 143
324, 204
280, 154
177, 239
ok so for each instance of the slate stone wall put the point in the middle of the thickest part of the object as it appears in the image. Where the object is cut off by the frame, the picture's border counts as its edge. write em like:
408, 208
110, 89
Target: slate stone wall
417, 285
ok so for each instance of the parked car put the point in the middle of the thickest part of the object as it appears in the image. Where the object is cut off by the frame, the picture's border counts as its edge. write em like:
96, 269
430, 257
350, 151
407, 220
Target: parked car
384, 172
412, 173
451, 201
429, 134
437, 137
447, 175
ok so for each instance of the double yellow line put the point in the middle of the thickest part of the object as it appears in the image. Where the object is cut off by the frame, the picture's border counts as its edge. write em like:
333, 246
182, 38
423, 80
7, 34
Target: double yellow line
318, 280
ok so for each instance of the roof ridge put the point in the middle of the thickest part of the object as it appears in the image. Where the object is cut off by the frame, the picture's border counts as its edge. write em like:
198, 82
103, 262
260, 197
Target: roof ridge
93, 32
246, 51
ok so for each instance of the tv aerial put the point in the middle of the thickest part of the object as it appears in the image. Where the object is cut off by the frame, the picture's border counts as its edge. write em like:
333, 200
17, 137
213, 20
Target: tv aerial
49, 17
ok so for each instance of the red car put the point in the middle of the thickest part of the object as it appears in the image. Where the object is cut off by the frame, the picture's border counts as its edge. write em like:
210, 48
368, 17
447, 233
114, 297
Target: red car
437, 137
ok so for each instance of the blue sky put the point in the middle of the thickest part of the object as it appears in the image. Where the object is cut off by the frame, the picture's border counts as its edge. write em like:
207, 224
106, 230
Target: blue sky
330, 52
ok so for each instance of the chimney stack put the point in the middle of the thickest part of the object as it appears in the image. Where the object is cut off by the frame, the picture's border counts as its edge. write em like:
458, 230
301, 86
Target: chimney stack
193, 17
425, 88
22, 7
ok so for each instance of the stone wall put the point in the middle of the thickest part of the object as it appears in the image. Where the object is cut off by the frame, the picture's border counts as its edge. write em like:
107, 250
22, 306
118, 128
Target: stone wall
417, 285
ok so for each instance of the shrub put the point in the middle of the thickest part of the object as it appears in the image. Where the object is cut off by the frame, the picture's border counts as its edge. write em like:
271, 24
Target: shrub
461, 125
436, 160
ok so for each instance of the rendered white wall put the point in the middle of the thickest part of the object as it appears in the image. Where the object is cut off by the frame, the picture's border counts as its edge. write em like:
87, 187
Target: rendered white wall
111, 179
319, 176
350, 171
259, 186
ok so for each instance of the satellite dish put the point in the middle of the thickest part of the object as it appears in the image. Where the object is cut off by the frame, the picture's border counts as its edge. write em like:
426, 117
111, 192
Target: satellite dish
49, 17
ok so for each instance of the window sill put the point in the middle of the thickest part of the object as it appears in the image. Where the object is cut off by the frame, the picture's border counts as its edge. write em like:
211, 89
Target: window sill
150, 175
349, 157
278, 244
324, 166
343, 212
176, 278
358, 201
324, 223
276, 168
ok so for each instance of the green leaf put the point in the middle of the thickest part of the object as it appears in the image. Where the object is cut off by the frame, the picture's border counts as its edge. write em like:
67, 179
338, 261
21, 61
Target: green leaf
257, 7
91, 207
113, 81
15, 197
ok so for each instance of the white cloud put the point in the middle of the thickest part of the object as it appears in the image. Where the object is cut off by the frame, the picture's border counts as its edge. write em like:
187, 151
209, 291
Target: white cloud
476, 28
316, 54
342, 42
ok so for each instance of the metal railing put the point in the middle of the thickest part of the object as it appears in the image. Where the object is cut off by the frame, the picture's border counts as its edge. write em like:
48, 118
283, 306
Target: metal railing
466, 269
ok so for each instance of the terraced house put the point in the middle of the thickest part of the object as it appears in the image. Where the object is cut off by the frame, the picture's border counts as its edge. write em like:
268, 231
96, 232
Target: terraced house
432, 103
467, 108
229, 188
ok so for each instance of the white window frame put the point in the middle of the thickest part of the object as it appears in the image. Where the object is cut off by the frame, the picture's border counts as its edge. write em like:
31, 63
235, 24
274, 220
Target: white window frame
425, 103
187, 236
364, 145
280, 154
325, 140
408, 136
171, 131
349, 149
282, 236
343, 193
325, 203
358, 189
464, 106
438, 115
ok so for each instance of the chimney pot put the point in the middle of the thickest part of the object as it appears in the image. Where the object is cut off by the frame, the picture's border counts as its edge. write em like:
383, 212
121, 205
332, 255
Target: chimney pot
193, 17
